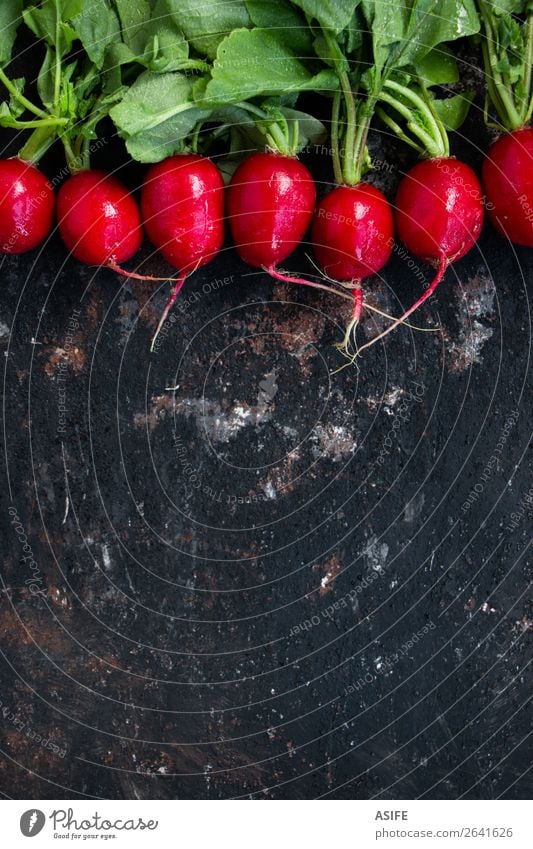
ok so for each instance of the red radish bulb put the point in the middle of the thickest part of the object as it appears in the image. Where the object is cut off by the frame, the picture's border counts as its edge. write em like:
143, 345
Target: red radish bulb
98, 218
439, 216
182, 203
271, 199
26, 206
353, 232
439, 209
508, 183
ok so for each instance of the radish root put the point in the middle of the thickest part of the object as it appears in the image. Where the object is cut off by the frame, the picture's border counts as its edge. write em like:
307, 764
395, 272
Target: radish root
279, 274
132, 274
175, 292
441, 270
348, 347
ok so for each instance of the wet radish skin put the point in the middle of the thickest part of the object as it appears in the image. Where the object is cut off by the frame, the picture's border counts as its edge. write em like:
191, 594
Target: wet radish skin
439, 209
353, 232
508, 183
182, 204
26, 206
271, 199
98, 219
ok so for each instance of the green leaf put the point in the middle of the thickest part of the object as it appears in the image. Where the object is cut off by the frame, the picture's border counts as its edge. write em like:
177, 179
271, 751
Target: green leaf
159, 46
167, 46
6, 118
43, 21
156, 115
388, 26
68, 100
15, 107
508, 7
404, 33
254, 62
453, 110
45, 80
206, 23
97, 26
134, 19
330, 14
287, 22
10, 18
438, 67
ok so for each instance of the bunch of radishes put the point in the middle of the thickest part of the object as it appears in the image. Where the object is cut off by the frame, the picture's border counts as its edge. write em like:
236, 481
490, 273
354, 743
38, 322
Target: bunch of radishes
272, 200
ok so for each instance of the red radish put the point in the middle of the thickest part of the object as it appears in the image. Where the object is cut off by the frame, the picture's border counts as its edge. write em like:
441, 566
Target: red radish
353, 236
439, 216
439, 209
508, 182
271, 199
26, 206
182, 203
99, 220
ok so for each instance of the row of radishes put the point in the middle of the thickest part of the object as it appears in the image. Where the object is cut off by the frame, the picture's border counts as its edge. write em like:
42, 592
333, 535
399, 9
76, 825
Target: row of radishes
271, 203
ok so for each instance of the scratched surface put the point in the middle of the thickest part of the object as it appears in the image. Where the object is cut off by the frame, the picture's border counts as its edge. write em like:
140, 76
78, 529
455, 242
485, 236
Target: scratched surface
228, 571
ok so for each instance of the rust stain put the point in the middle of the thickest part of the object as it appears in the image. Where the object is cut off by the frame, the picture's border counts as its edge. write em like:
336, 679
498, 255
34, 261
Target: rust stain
143, 292
161, 403
330, 571
74, 358
280, 478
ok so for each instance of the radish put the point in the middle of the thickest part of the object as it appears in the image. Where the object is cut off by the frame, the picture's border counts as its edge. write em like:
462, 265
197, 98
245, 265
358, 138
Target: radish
26, 206
508, 183
507, 45
271, 199
353, 235
182, 203
439, 207
98, 219
439, 216
353, 226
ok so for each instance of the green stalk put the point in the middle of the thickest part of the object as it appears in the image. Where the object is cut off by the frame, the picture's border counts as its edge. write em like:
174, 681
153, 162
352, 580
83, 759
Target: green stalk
431, 148
443, 133
57, 78
528, 63
436, 140
335, 115
17, 95
73, 162
294, 132
349, 158
501, 95
37, 144
277, 138
367, 110
397, 130
33, 125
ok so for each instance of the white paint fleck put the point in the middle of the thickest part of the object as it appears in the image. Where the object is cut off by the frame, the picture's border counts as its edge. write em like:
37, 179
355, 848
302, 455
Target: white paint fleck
377, 554
414, 507
333, 441
475, 301
270, 491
